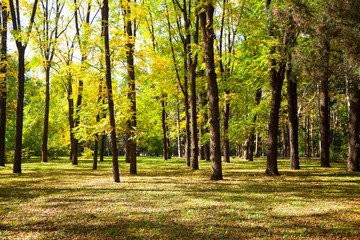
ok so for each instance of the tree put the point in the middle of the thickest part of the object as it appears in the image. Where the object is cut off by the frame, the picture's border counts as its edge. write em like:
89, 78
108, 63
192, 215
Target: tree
206, 23
105, 29
130, 48
3, 72
276, 75
48, 36
21, 39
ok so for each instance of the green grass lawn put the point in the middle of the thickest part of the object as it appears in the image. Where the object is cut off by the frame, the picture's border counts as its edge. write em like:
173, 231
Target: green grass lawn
167, 200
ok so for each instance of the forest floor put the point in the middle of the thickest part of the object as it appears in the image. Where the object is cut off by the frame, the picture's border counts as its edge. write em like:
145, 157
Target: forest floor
167, 200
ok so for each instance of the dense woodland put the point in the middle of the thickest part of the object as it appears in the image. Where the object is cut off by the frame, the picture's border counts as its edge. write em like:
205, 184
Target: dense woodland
203, 80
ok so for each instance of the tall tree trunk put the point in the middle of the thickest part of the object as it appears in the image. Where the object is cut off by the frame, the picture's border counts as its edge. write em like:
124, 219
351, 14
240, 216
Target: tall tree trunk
178, 131
44, 148
276, 75
187, 127
105, 28
21, 46
324, 106
130, 47
3, 72
71, 113
226, 127
353, 163
206, 19
293, 117
163, 125
19, 110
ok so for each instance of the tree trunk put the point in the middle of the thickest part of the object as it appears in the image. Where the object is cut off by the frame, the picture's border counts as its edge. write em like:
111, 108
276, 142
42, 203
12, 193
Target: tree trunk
46, 117
105, 28
130, 47
206, 18
96, 149
353, 163
293, 117
226, 127
252, 132
324, 107
19, 110
3, 71
178, 131
163, 124
102, 147
187, 130
276, 74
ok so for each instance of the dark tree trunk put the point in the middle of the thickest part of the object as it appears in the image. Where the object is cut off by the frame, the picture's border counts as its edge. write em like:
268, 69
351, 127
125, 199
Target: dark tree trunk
201, 130
276, 75
353, 164
96, 149
21, 46
293, 117
3, 71
178, 131
105, 28
193, 116
324, 107
19, 110
206, 19
44, 148
187, 128
226, 127
130, 47
163, 125
102, 147
71, 113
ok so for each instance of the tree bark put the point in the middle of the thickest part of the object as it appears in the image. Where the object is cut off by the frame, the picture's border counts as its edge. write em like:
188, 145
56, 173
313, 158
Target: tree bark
226, 127
206, 19
19, 110
293, 117
353, 163
3, 72
130, 47
324, 106
44, 149
163, 125
276, 75
105, 28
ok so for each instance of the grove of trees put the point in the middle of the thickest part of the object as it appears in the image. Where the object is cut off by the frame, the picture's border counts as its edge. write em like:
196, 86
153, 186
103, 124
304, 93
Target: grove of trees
199, 79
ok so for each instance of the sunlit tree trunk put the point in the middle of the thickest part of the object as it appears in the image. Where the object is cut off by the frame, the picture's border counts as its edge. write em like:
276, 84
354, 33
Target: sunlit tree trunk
206, 20
105, 29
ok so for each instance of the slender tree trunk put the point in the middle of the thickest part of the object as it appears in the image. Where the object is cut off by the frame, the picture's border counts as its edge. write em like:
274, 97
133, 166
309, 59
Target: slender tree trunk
293, 117
353, 163
19, 110
102, 147
193, 116
206, 19
3, 72
187, 128
178, 131
46, 117
313, 153
163, 124
130, 46
324, 107
96, 149
226, 127
105, 28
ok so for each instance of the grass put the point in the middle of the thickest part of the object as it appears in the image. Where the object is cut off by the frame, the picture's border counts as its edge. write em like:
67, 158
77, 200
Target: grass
166, 200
